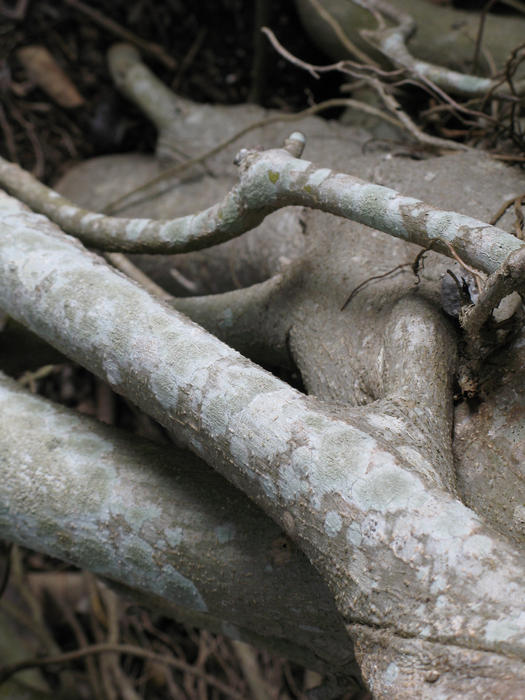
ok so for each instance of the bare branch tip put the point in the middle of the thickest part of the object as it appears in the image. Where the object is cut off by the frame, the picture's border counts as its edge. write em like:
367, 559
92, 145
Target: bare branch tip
241, 156
295, 144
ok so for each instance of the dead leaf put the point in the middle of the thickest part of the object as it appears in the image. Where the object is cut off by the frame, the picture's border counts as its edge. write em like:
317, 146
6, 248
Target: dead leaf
45, 72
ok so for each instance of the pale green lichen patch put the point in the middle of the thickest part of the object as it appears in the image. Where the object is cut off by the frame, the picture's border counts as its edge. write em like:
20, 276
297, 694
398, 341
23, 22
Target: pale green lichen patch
391, 673
353, 534
332, 523
135, 228
221, 408
174, 536
454, 520
293, 476
439, 583
386, 488
504, 630
137, 514
265, 401
317, 178
478, 546
343, 456
381, 207
273, 176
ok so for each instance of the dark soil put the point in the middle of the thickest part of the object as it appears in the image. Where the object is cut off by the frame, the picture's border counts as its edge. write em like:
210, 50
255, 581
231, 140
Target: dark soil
212, 42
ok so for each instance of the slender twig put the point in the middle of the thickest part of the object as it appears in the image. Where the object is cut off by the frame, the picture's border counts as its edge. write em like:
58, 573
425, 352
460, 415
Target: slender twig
189, 57
391, 41
509, 157
506, 204
8, 135
511, 66
78, 631
345, 66
179, 168
39, 166
388, 99
479, 38
124, 264
366, 282
251, 670
416, 265
518, 211
259, 71
478, 276
433, 141
341, 35
313, 70
118, 30
10, 669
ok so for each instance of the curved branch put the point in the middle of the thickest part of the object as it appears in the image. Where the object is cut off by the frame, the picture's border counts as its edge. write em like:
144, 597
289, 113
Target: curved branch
445, 34
216, 224
419, 361
270, 180
391, 41
180, 122
161, 522
130, 75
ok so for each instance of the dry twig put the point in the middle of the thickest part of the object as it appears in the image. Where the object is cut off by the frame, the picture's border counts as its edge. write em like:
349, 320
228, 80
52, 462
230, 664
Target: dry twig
388, 99
9, 670
340, 34
115, 28
118, 204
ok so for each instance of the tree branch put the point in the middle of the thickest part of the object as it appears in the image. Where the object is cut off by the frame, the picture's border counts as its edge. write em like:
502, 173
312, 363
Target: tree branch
397, 550
270, 180
391, 41
160, 522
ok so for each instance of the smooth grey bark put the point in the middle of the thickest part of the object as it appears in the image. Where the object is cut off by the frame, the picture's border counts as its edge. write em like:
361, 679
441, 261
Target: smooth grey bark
163, 524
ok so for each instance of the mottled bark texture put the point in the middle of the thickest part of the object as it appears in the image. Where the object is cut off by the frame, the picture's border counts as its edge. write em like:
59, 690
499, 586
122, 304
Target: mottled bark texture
405, 525
161, 522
